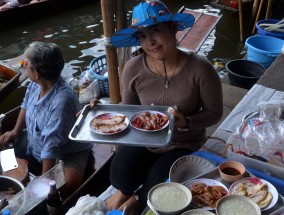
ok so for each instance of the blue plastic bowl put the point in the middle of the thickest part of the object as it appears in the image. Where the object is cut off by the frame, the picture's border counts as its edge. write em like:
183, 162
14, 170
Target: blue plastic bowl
263, 49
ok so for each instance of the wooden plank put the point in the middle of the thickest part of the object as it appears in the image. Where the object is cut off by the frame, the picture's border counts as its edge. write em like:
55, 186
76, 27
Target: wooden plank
194, 37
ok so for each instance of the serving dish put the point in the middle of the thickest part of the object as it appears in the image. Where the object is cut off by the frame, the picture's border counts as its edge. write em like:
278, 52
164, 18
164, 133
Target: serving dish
81, 131
169, 198
151, 116
258, 181
231, 171
214, 174
208, 182
234, 204
109, 116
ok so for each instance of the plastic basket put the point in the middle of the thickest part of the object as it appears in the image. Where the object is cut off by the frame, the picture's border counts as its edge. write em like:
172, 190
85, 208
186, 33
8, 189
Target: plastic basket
99, 67
216, 160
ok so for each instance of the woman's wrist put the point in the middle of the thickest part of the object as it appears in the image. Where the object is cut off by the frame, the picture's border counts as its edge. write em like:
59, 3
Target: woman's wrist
15, 133
187, 125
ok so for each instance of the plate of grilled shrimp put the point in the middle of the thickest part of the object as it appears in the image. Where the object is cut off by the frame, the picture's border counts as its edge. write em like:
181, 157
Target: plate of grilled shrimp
109, 123
149, 121
259, 190
206, 193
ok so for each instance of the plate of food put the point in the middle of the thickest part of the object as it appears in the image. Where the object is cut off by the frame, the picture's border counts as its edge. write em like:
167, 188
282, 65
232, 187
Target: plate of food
206, 193
259, 190
149, 121
109, 123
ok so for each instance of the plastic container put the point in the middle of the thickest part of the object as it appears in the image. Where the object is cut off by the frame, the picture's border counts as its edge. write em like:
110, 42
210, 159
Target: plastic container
244, 73
263, 49
99, 67
116, 212
261, 31
6, 212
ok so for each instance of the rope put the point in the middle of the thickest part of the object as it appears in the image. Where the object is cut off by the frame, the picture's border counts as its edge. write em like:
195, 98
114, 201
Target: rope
273, 27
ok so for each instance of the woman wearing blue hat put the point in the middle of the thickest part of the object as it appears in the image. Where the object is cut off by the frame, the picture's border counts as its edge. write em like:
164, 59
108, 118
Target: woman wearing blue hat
166, 76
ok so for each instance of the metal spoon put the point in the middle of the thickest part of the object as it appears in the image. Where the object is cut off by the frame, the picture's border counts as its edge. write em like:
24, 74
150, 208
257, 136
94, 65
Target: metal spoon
152, 208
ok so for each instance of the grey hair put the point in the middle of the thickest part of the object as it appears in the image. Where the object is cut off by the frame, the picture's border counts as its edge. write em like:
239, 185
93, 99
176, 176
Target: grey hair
45, 58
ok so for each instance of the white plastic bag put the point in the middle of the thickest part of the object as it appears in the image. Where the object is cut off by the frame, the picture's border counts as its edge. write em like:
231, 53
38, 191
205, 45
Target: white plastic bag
88, 205
261, 134
92, 91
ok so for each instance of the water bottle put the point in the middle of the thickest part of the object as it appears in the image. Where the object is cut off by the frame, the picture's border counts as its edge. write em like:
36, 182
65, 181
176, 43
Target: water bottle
53, 200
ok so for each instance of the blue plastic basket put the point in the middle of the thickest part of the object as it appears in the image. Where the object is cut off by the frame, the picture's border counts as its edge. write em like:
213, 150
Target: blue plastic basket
216, 160
99, 67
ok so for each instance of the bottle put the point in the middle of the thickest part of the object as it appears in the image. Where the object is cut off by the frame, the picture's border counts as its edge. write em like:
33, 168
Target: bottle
6, 212
53, 200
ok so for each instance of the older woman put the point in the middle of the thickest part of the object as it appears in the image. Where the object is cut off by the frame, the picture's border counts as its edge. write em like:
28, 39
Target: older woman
49, 112
166, 76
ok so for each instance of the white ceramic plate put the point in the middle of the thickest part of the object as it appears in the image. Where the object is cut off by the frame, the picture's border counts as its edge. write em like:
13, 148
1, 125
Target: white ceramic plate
133, 117
271, 189
188, 167
209, 182
108, 116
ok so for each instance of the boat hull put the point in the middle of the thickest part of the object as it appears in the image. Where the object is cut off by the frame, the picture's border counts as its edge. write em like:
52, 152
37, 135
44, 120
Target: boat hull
30, 12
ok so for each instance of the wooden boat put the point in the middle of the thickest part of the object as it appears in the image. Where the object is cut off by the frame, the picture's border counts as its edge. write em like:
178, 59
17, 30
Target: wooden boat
95, 182
30, 12
9, 80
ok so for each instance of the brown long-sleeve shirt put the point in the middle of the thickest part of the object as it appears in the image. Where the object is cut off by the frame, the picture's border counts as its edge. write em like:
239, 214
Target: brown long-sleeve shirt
195, 90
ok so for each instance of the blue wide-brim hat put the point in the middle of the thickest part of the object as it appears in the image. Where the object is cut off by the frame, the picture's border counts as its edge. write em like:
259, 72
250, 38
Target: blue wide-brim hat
145, 14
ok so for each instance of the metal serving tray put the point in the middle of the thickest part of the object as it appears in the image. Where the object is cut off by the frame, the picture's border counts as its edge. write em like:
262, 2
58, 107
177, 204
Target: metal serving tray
81, 131
214, 174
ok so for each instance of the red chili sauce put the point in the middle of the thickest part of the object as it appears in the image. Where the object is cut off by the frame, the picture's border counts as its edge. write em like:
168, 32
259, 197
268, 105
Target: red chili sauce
231, 171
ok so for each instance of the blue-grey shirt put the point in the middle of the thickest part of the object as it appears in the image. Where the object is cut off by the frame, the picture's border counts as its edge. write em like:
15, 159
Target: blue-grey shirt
49, 121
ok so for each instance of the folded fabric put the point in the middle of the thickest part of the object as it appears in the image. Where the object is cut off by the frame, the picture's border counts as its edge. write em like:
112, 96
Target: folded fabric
88, 205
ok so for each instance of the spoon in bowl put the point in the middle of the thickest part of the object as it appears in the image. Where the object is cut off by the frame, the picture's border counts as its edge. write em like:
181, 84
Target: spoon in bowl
152, 208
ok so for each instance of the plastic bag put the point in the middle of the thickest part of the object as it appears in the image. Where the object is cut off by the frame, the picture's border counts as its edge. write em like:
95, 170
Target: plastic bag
88, 205
261, 133
92, 91
88, 87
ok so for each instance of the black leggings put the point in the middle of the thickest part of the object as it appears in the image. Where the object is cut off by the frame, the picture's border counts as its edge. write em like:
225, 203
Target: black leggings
134, 166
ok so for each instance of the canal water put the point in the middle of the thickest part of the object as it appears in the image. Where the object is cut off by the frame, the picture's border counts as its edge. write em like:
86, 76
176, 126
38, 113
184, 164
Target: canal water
79, 33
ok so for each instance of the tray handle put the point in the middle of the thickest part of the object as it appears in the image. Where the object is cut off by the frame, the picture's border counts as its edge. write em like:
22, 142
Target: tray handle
80, 121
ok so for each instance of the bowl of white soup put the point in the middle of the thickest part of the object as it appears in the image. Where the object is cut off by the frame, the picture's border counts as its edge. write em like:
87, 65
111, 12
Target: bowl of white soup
236, 204
169, 197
